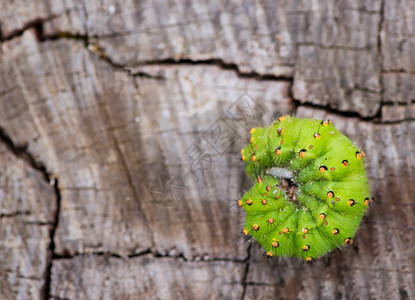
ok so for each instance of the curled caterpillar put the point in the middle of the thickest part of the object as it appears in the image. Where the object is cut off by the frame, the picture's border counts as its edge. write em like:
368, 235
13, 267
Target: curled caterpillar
311, 189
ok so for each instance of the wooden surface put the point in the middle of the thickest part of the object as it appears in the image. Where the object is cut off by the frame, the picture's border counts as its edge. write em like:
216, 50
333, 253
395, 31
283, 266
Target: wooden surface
120, 130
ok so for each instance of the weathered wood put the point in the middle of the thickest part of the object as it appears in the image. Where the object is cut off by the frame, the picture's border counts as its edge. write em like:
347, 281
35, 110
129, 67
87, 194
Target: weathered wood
139, 110
332, 50
101, 152
27, 214
90, 277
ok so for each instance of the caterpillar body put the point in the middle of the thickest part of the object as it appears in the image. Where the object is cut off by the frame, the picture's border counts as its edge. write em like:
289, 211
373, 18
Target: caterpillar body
311, 189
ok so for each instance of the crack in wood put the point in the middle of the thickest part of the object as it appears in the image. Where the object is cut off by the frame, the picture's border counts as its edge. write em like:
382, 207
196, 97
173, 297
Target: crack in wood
153, 254
94, 48
15, 214
36, 24
215, 62
53, 297
350, 114
21, 152
244, 282
379, 46
47, 285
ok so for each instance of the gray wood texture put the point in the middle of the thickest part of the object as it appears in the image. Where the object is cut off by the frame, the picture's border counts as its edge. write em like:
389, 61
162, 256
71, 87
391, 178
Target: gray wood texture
120, 129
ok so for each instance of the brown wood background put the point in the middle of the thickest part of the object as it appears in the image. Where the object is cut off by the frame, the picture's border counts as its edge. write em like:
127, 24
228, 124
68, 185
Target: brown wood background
121, 124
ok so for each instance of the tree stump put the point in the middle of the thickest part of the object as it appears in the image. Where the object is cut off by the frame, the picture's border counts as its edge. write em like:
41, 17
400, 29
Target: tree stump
120, 130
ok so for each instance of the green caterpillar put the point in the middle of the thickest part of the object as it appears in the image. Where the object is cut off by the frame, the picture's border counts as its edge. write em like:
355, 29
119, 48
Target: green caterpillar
311, 189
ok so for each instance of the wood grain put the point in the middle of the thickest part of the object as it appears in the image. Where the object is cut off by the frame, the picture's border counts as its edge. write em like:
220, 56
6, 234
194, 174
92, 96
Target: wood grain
146, 278
27, 214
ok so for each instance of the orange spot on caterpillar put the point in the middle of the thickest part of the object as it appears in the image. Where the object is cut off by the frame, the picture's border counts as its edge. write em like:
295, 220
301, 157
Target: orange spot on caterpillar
348, 241
282, 118
304, 236
345, 163
322, 169
256, 147
285, 230
239, 203
330, 194
264, 202
302, 152
368, 202
248, 201
326, 223
325, 123
322, 216
282, 142
309, 259
252, 130
351, 202
305, 230
268, 188
332, 168
306, 247
335, 231
275, 244
277, 197
253, 158
310, 147
242, 154
270, 220
245, 232
280, 131
278, 150
255, 227
317, 135
359, 155
338, 199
